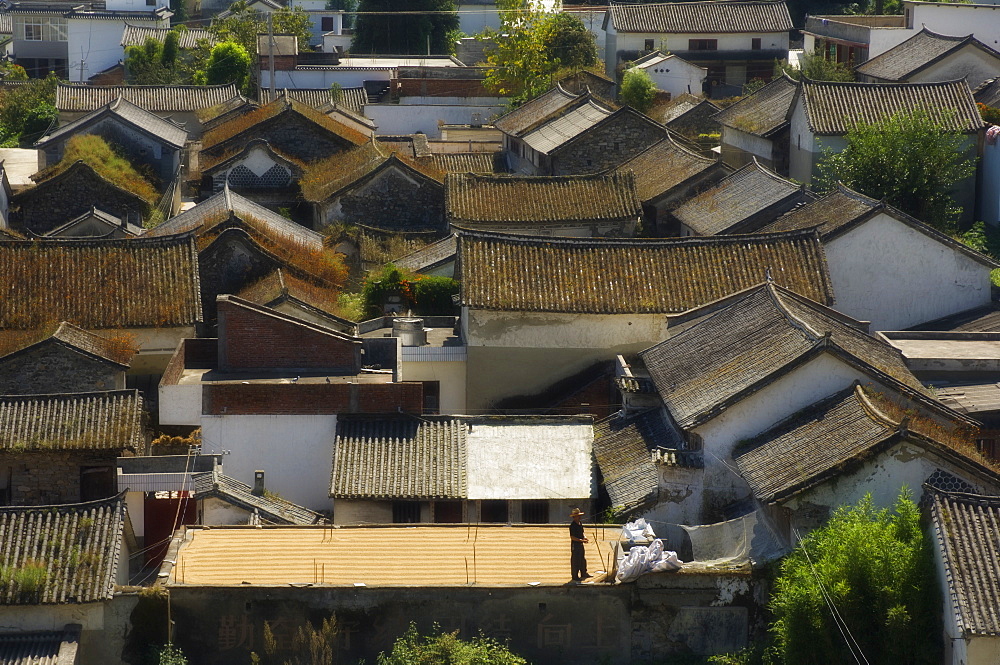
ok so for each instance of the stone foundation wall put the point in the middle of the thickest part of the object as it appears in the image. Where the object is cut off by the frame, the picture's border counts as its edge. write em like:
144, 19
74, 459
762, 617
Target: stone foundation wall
52, 368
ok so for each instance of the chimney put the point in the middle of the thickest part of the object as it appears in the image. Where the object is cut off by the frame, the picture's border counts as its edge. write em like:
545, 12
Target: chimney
258, 483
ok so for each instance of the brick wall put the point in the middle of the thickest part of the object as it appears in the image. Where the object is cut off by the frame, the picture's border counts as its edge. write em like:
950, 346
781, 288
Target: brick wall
391, 201
53, 368
311, 398
47, 478
251, 339
607, 146
440, 88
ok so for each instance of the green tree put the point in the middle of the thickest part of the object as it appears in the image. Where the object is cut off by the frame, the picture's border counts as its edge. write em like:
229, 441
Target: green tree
532, 48
909, 159
871, 569
419, 27
414, 649
816, 67
26, 111
243, 25
154, 62
171, 655
229, 62
637, 90
425, 295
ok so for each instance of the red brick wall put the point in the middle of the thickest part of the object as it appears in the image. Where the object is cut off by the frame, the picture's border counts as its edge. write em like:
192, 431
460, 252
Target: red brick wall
440, 88
311, 398
253, 340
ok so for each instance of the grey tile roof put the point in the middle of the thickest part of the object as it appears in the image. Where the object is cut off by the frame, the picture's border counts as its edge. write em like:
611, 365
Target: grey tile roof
683, 104
283, 285
737, 199
132, 283
155, 98
966, 531
516, 273
748, 343
429, 256
556, 132
700, 17
488, 199
980, 319
469, 162
832, 108
109, 221
40, 648
271, 509
392, 457
219, 207
354, 99
128, 113
626, 450
765, 112
110, 420
665, 165
919, 52
136, 35
971, 398
537, 110
114, 351
988, 92
77, 544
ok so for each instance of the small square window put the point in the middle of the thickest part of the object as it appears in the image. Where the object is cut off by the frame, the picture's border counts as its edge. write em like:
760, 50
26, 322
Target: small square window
648, 45
755, 44
326, 23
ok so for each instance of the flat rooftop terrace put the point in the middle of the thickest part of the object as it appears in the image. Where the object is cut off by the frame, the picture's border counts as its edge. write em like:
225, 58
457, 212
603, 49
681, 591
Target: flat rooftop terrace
386, 556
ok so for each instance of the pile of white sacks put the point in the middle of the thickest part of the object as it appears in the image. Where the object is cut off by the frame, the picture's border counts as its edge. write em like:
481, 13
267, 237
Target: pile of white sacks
641, 559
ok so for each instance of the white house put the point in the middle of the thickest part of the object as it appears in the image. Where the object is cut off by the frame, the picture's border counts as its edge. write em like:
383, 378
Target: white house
672, 74
756, 127
929, 56
874, 279
736, 41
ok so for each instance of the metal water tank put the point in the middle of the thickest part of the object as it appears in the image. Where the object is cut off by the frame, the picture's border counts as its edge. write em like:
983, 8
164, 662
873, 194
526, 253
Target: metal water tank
410, 331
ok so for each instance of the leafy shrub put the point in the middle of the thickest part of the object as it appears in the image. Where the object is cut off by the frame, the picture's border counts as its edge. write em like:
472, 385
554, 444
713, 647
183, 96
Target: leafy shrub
414, 649
637, 90
425, 295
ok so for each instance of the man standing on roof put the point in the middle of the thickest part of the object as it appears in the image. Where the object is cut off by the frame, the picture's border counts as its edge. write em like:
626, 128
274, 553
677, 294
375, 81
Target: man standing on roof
578, 559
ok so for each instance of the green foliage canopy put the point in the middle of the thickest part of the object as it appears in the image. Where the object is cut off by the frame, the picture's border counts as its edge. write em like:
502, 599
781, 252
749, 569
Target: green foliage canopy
154, 62
425, 295
875, 567
229, 62
400, 28
414, 649
908, 159
27, 110
637, 90
531, 48
243, 25
816, 67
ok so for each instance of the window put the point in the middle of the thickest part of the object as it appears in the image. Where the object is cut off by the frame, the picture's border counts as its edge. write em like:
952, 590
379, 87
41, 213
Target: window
326, 24
405, 512
448, 512
648, 45
703, 44
432, 397
493, 510
755, 44
39, 29
535, 512
150, 3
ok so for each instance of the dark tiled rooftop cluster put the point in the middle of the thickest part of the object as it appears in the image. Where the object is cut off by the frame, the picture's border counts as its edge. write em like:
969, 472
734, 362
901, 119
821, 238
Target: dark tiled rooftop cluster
765, 112
663, 166
155, 98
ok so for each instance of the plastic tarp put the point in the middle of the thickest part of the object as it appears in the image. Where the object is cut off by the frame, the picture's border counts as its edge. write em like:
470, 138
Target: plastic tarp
641, 560
745, 539
638, 530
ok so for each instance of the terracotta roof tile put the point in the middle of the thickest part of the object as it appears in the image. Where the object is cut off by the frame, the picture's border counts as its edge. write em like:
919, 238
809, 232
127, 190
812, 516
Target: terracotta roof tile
79, 421
832, 108
967, 531
701, 17
156, 98
505, 272
705, 368
765, 112
503, 199
100, 284
78, 545
918, 52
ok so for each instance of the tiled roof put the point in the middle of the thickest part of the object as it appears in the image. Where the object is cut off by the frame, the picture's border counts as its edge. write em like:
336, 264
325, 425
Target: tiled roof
272, 289
271, 509
40, 648
747, 343
701, 17
988, 92
556, 132
681, 105
765, 112
469, 162
353, 99
624, 449
429, 256
78, 545
736, 198
329, 177
918, 52
537, 110
663, 166
400, 458
965, 528
155, 98
126, 111
109, 420
218, 208
980, 319
100, 284
513, 273
832, 108
211, 163
136, 35
500, 199
110, 222
970, 399
95, 345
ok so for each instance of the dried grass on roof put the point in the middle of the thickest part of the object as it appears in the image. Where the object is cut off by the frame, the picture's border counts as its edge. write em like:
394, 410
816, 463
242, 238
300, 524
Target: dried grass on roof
96, 153
326, 177
273, 286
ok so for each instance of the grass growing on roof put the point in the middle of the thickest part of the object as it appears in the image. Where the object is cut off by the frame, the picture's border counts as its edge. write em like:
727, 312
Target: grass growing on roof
109, 164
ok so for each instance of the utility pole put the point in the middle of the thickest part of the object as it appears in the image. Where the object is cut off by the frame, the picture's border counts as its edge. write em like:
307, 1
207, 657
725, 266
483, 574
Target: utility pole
270, 50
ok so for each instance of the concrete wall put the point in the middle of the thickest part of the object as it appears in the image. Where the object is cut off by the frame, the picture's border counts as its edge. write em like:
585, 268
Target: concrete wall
156, 345
953, 19
677, 77
876, 280
427, 118
295, 452
970, 62
451, 375
662, 615
97, 43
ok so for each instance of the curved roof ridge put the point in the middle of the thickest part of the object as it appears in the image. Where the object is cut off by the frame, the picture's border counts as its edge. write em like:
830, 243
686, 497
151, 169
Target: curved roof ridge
859, 84
772, 293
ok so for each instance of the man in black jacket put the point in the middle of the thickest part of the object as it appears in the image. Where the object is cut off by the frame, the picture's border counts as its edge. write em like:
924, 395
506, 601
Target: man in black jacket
578, 559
